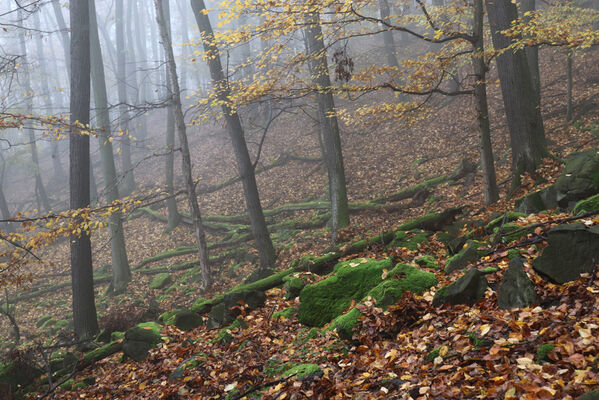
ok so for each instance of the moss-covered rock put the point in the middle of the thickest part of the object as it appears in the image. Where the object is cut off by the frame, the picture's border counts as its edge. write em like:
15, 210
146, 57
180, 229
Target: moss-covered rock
161, 281
187, 320
225, 335
400, 279
509, 233
592, 395
467, 289
543, 352
470, 253
586, 205
580, 177
304, 371
510, 216
140, 339
409, 240
287, 313
352, 280
293, 286
68, 384
426, 261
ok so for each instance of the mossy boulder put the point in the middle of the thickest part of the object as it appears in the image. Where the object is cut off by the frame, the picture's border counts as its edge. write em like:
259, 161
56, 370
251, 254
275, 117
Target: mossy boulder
226, 311
510, 216
287, 313
426, 261
516, 290
68, 384
293, 286
470, 253
304, 371
586, 205
572, 249
140, 339
544, 199
467, 289
400, 279
543, 352
409, 239
352, 280
161, 281
509, 233
187, 320
580, 177
592, 395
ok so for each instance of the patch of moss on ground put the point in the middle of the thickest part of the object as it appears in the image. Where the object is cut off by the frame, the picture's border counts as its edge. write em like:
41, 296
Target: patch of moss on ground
302, 370
285, 314
543, 351
225, 335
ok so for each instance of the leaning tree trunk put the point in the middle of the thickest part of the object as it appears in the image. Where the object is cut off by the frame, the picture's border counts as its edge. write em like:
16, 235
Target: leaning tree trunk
331, 139
40, 190
84, 307
121, 273
175, 98
244, 163
490, 189
171, 203
527, 135
121, 56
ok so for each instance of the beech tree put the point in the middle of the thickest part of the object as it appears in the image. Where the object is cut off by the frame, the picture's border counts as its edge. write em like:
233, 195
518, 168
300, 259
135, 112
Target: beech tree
84, 307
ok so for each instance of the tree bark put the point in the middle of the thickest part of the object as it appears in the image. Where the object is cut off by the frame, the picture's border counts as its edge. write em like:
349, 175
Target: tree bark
40, 190
175, 98
64, 35
127, 166
244, 163
527, 135
121, 273
532, 53
84, 308
490, 189
331, 139
388, 35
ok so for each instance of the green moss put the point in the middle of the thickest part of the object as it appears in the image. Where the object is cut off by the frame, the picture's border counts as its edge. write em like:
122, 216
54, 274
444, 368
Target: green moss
160, 281
507, 236
68, 384
583, 206
543, 351
433, 354
79, 385
409, 240
426, 261
60, 324
352, 280
117, 336
166, 317
400, 279
488, 270
302, 370
293, 286
287, 313
43, 319
479, 343
225, 335
179, 251
48, 324
510, 217
469, 254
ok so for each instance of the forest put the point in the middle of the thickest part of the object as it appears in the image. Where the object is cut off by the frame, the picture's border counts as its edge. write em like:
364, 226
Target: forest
299, 199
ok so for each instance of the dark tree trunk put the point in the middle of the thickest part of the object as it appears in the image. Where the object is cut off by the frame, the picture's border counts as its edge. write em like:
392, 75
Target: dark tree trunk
244, 163
175, 98
84, 308
121, 273
490, 189
388, 35
527, 135
331, 139
570, 106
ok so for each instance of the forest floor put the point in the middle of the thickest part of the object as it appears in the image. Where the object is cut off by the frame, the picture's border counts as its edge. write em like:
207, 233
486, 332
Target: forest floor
387, 358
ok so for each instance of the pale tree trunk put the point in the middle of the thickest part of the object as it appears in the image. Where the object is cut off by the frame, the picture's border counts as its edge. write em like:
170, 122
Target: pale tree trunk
171, 203
59, 172
121, 55
6, 226
532, 53
64, 34
40, 190
388, 35
331, 139
184, 48
138, 126
247, 70
121, 273
142, 57
490, 189
84, 307
175, 97
244, 163
525, 123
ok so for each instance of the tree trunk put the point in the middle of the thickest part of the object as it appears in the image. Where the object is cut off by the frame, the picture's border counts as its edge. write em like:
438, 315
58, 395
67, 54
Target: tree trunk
244, 163
388, 35
7, 227
331, 139
569, 110
84, 308
64, 35
175, 98
40, 190
490, 189
527, 135
121, 273
127, 166
532, 53
173, 214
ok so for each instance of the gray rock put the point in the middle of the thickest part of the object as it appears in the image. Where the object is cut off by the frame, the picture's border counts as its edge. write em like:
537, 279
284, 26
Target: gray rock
580, 178
540, 200
187, 320
468, 289
225, 312
516, 290
468, 254
572, 249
